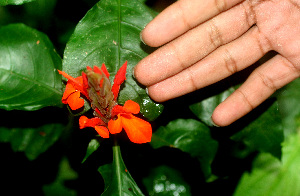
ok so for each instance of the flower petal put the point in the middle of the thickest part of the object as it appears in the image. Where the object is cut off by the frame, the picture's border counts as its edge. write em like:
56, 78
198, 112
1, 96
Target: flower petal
117, 109
138, 130
86, 122
119, 79
131, 107
102, 131
74, 101
115, 126
103, 68
68, 91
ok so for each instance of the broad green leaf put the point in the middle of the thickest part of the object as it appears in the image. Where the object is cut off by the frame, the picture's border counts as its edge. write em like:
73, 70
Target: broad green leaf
271, 177
260, 130
92, 147
109, 33
204, 109
106, 173
164, 180
28, 69
31, 140
14, 2
289, 107
190, 136
265, 133
58, 187
121, 182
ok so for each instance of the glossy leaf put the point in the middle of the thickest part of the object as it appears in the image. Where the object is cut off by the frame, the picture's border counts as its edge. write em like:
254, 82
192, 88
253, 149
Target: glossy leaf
260, 130
92, 147
58, 187
271, 177
14, 2
265, 133
28, 69
165, 181
204, 109
31, 140
109, 33
289, 107
120, 182
190, 136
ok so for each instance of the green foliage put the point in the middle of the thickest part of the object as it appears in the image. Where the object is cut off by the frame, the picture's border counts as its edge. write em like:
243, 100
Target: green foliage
109, 34
28, 69
265, 133
57, 187
164, 180
14, 2
270, 176
120, 181
204, 109
33, 140
190, 136
187, 154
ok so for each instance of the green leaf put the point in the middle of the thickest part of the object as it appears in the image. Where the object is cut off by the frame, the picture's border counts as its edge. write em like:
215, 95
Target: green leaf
265, 133
164, 180
204, 109
190, 136
92, 147
271, 177
109, 33
58, 187
289, 107
121, 182
106, 173
32, 140
14, 2
28, 69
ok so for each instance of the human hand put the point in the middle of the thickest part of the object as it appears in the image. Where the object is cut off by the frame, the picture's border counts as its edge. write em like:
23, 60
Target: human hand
205, 41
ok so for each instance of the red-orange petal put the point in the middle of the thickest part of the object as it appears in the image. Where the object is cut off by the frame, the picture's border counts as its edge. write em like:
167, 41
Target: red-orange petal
131, 107
97, 70
103, 68
68, 91
138, 130
119, 79
117, 109
74, 101
85, 80
115, 126
102, 131
86, 122
76, 82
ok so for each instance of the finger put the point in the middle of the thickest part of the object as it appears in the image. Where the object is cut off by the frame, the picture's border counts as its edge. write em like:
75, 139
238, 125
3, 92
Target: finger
220, 64
180, 17
261, 84
194, 45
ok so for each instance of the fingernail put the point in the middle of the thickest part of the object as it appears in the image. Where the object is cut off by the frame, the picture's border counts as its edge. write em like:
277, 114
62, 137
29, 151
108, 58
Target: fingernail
147, 91
213, 123
141, 37
132, 71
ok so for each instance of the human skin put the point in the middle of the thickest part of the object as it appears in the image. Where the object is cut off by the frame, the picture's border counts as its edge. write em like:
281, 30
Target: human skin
204, 41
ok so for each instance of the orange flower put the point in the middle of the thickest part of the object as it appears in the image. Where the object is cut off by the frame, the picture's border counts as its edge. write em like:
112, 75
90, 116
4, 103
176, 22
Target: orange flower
138, 130
95, 86
72, 92
96, 123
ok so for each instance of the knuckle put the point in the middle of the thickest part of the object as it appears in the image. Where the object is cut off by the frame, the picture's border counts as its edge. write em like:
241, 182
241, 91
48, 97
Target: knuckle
230, 62
250, 14
245, 99
214, 34
267, 81
220, 5
192, 80
184, 17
